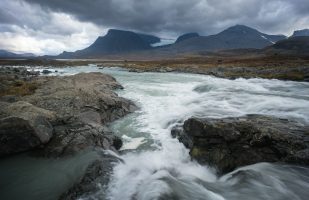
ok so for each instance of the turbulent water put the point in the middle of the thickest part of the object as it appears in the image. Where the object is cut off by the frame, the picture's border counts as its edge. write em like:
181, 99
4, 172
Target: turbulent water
158, 167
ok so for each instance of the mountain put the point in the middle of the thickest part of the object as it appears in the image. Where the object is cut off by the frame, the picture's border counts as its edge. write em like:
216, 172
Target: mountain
293, 45
236, 37
150, 39
186, 36
303, 32
114, 42
117, 43
7, 54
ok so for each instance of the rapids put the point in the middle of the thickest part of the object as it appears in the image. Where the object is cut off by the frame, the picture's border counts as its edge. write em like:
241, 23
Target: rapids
156, 166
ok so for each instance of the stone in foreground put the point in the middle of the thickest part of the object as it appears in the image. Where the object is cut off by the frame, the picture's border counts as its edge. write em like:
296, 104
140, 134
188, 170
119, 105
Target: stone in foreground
233, 142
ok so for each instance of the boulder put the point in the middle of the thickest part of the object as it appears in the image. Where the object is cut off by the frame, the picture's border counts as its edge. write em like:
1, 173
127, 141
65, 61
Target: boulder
23, 126
18, 135
27, 111
229, 143
71, 138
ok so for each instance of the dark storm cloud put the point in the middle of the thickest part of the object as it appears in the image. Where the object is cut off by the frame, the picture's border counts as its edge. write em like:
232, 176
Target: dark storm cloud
52, 26
206, 16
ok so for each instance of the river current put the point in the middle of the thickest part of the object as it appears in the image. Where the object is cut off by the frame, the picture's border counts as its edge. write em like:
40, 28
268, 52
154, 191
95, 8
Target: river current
156, 166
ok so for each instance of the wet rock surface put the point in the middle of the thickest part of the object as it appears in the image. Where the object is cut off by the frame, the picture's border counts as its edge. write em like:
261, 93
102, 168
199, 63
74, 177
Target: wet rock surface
233, 142
95, 180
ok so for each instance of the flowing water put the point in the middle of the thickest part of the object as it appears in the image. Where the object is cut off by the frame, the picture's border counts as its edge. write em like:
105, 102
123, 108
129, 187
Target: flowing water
156, 166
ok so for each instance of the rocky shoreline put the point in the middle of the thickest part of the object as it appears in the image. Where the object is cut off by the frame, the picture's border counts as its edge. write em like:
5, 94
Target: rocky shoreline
300, 73
62, 117
230, 143
293, 68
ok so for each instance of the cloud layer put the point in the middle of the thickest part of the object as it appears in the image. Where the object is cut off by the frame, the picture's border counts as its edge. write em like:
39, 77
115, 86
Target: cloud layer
29, 28
71, 24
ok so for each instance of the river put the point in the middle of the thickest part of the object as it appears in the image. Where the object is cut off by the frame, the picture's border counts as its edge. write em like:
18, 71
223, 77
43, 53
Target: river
156, 166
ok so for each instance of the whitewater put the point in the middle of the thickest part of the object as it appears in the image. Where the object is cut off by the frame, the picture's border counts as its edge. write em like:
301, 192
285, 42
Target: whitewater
157, 166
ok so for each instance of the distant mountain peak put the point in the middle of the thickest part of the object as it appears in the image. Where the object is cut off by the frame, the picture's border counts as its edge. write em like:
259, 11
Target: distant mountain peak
150, 39
115, 42
241, 29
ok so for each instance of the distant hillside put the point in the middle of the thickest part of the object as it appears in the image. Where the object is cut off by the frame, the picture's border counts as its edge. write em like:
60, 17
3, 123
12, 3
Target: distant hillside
186, 36
293, 45
303, 32
236, 37
7, 54
114, 42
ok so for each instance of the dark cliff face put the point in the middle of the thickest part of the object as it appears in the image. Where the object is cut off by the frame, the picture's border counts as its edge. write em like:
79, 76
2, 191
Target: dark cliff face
303, 32
186, 36
114, 42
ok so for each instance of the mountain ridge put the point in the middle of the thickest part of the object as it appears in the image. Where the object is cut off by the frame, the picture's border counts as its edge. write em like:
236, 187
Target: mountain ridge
121, 43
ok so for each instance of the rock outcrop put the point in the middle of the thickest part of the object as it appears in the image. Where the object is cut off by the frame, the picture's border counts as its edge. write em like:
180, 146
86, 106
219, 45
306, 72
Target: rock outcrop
62, 117
233, 142
74, 109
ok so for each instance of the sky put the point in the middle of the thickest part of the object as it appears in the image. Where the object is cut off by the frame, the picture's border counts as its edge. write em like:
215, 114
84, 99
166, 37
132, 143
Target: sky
52, 26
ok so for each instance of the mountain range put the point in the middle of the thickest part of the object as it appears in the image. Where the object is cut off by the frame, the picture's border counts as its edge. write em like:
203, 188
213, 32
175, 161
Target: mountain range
236, 37
119, 42
7, 54
122, 43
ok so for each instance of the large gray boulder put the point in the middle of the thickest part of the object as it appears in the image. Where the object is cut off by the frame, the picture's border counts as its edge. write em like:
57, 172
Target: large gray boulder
23, 127
233, 142
18, 135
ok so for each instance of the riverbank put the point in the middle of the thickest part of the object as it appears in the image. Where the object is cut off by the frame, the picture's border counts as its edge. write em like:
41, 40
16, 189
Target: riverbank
223, 65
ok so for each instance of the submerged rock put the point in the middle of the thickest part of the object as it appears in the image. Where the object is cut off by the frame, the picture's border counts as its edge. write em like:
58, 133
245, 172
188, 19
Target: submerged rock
233, 142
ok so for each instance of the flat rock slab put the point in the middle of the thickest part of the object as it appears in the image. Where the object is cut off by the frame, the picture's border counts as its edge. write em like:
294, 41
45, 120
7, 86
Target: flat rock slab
233, 142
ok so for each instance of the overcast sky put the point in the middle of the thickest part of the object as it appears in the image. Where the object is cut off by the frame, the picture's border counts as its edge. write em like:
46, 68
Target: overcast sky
53, 26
